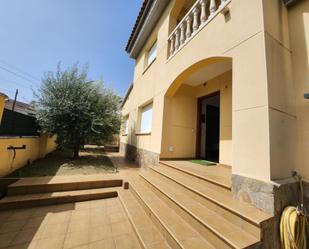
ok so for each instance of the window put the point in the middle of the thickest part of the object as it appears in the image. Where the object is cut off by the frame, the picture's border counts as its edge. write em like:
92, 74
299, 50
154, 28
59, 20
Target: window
152, 54
125, 125
146, 119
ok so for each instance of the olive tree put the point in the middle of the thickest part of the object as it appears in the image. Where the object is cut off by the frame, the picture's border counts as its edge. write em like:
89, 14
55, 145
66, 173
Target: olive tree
76, 109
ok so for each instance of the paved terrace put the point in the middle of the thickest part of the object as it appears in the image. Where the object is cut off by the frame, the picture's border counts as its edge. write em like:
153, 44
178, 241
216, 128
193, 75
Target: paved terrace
174, 204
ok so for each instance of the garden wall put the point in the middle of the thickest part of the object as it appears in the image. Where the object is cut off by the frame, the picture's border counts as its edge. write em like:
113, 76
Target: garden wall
17, 151
35, 148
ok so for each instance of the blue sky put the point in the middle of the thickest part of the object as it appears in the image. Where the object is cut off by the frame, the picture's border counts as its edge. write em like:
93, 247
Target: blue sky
36, 34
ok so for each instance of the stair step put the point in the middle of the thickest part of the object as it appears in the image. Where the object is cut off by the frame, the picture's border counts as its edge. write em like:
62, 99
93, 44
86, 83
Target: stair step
219, 175
215, 199
146, 231
178, 232
32, 200
61, 183
212, 225
197, 179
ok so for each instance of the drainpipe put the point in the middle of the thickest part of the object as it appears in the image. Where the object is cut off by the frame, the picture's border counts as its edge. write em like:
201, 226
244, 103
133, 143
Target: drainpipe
3, 99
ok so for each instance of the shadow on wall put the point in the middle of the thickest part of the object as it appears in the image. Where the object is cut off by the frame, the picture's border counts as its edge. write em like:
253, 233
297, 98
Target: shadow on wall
131, 153
299, 29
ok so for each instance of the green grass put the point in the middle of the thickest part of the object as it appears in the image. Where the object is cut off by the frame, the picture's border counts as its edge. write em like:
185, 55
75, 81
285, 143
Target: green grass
203, 162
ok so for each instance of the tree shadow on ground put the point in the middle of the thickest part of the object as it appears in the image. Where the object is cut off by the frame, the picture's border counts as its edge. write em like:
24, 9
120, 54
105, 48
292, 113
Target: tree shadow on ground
60, 163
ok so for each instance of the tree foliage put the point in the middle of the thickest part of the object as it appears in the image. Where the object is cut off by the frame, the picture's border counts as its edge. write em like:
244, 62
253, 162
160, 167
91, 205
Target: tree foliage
77, 110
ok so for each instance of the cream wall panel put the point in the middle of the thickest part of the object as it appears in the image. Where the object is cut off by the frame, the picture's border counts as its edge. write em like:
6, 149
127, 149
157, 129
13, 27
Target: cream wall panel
282, 144
276, 21
251, 147
249, 74
281, 92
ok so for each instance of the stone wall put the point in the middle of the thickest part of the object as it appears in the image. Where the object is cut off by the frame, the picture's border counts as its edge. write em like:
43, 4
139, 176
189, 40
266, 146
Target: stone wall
269, 197
272, 198
140, 156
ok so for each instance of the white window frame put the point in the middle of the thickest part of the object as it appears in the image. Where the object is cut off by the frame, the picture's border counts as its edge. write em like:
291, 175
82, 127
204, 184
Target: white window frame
126, 125
152, 53
146, 116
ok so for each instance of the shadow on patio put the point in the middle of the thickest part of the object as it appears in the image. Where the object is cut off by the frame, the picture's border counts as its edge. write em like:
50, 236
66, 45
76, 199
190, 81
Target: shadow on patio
91, 161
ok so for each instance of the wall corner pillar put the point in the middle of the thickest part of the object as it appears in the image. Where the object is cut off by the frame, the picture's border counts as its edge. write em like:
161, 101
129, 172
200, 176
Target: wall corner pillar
3, 98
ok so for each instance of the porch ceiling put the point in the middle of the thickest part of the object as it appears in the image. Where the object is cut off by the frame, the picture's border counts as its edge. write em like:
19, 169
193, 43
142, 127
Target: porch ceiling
208, 73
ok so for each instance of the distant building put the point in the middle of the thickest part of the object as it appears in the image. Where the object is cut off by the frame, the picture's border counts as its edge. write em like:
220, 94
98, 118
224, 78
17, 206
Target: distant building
20, 107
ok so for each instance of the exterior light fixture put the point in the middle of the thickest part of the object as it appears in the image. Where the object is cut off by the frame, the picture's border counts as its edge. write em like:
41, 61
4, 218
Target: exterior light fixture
225, 10
306, 95
289, 2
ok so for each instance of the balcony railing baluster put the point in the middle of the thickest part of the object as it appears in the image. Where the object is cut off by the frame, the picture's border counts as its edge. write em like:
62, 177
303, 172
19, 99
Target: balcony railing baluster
222, 3
177, 44
203, 11
188, 29
195, 18
172, 40
212, 7
182, 33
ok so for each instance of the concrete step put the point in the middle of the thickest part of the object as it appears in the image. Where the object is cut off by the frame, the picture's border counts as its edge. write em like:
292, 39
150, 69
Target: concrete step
41, 199
36, 185
215, 228
144, 228
219, 201
174, 228
219, 176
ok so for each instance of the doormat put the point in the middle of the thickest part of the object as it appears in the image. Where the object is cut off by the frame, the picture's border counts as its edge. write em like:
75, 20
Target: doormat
203, 162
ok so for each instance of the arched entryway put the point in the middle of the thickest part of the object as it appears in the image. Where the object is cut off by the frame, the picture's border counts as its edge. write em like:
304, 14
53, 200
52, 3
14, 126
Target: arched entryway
197, 119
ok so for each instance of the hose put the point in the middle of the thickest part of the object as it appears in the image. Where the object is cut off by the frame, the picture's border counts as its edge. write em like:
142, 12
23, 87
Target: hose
293, 224
293, 229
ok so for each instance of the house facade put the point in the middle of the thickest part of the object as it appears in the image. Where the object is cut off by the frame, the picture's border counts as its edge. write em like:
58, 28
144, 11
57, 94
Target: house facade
224, 81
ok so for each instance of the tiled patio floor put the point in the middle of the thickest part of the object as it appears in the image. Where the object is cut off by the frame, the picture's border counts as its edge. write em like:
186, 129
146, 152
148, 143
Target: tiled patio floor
83, 225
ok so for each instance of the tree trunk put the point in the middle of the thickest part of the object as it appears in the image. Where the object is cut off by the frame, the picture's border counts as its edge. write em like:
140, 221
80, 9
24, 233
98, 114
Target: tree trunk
76, 152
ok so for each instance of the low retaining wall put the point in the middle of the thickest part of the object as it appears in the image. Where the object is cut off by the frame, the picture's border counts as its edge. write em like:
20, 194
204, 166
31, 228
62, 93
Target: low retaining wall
36, 148
272, 198
140, 156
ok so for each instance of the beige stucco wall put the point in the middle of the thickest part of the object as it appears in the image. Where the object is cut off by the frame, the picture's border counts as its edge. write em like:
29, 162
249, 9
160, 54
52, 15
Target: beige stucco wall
299, 43
36, 148
264, 113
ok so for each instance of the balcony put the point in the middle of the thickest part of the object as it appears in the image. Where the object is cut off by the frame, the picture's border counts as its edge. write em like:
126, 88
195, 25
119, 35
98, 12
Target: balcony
201, 13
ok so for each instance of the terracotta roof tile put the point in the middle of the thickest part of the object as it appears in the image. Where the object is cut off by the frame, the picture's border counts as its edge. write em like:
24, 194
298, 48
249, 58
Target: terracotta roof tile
138, 19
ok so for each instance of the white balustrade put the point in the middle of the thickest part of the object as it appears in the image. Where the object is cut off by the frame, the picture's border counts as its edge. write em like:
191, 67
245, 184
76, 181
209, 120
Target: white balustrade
196, 18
